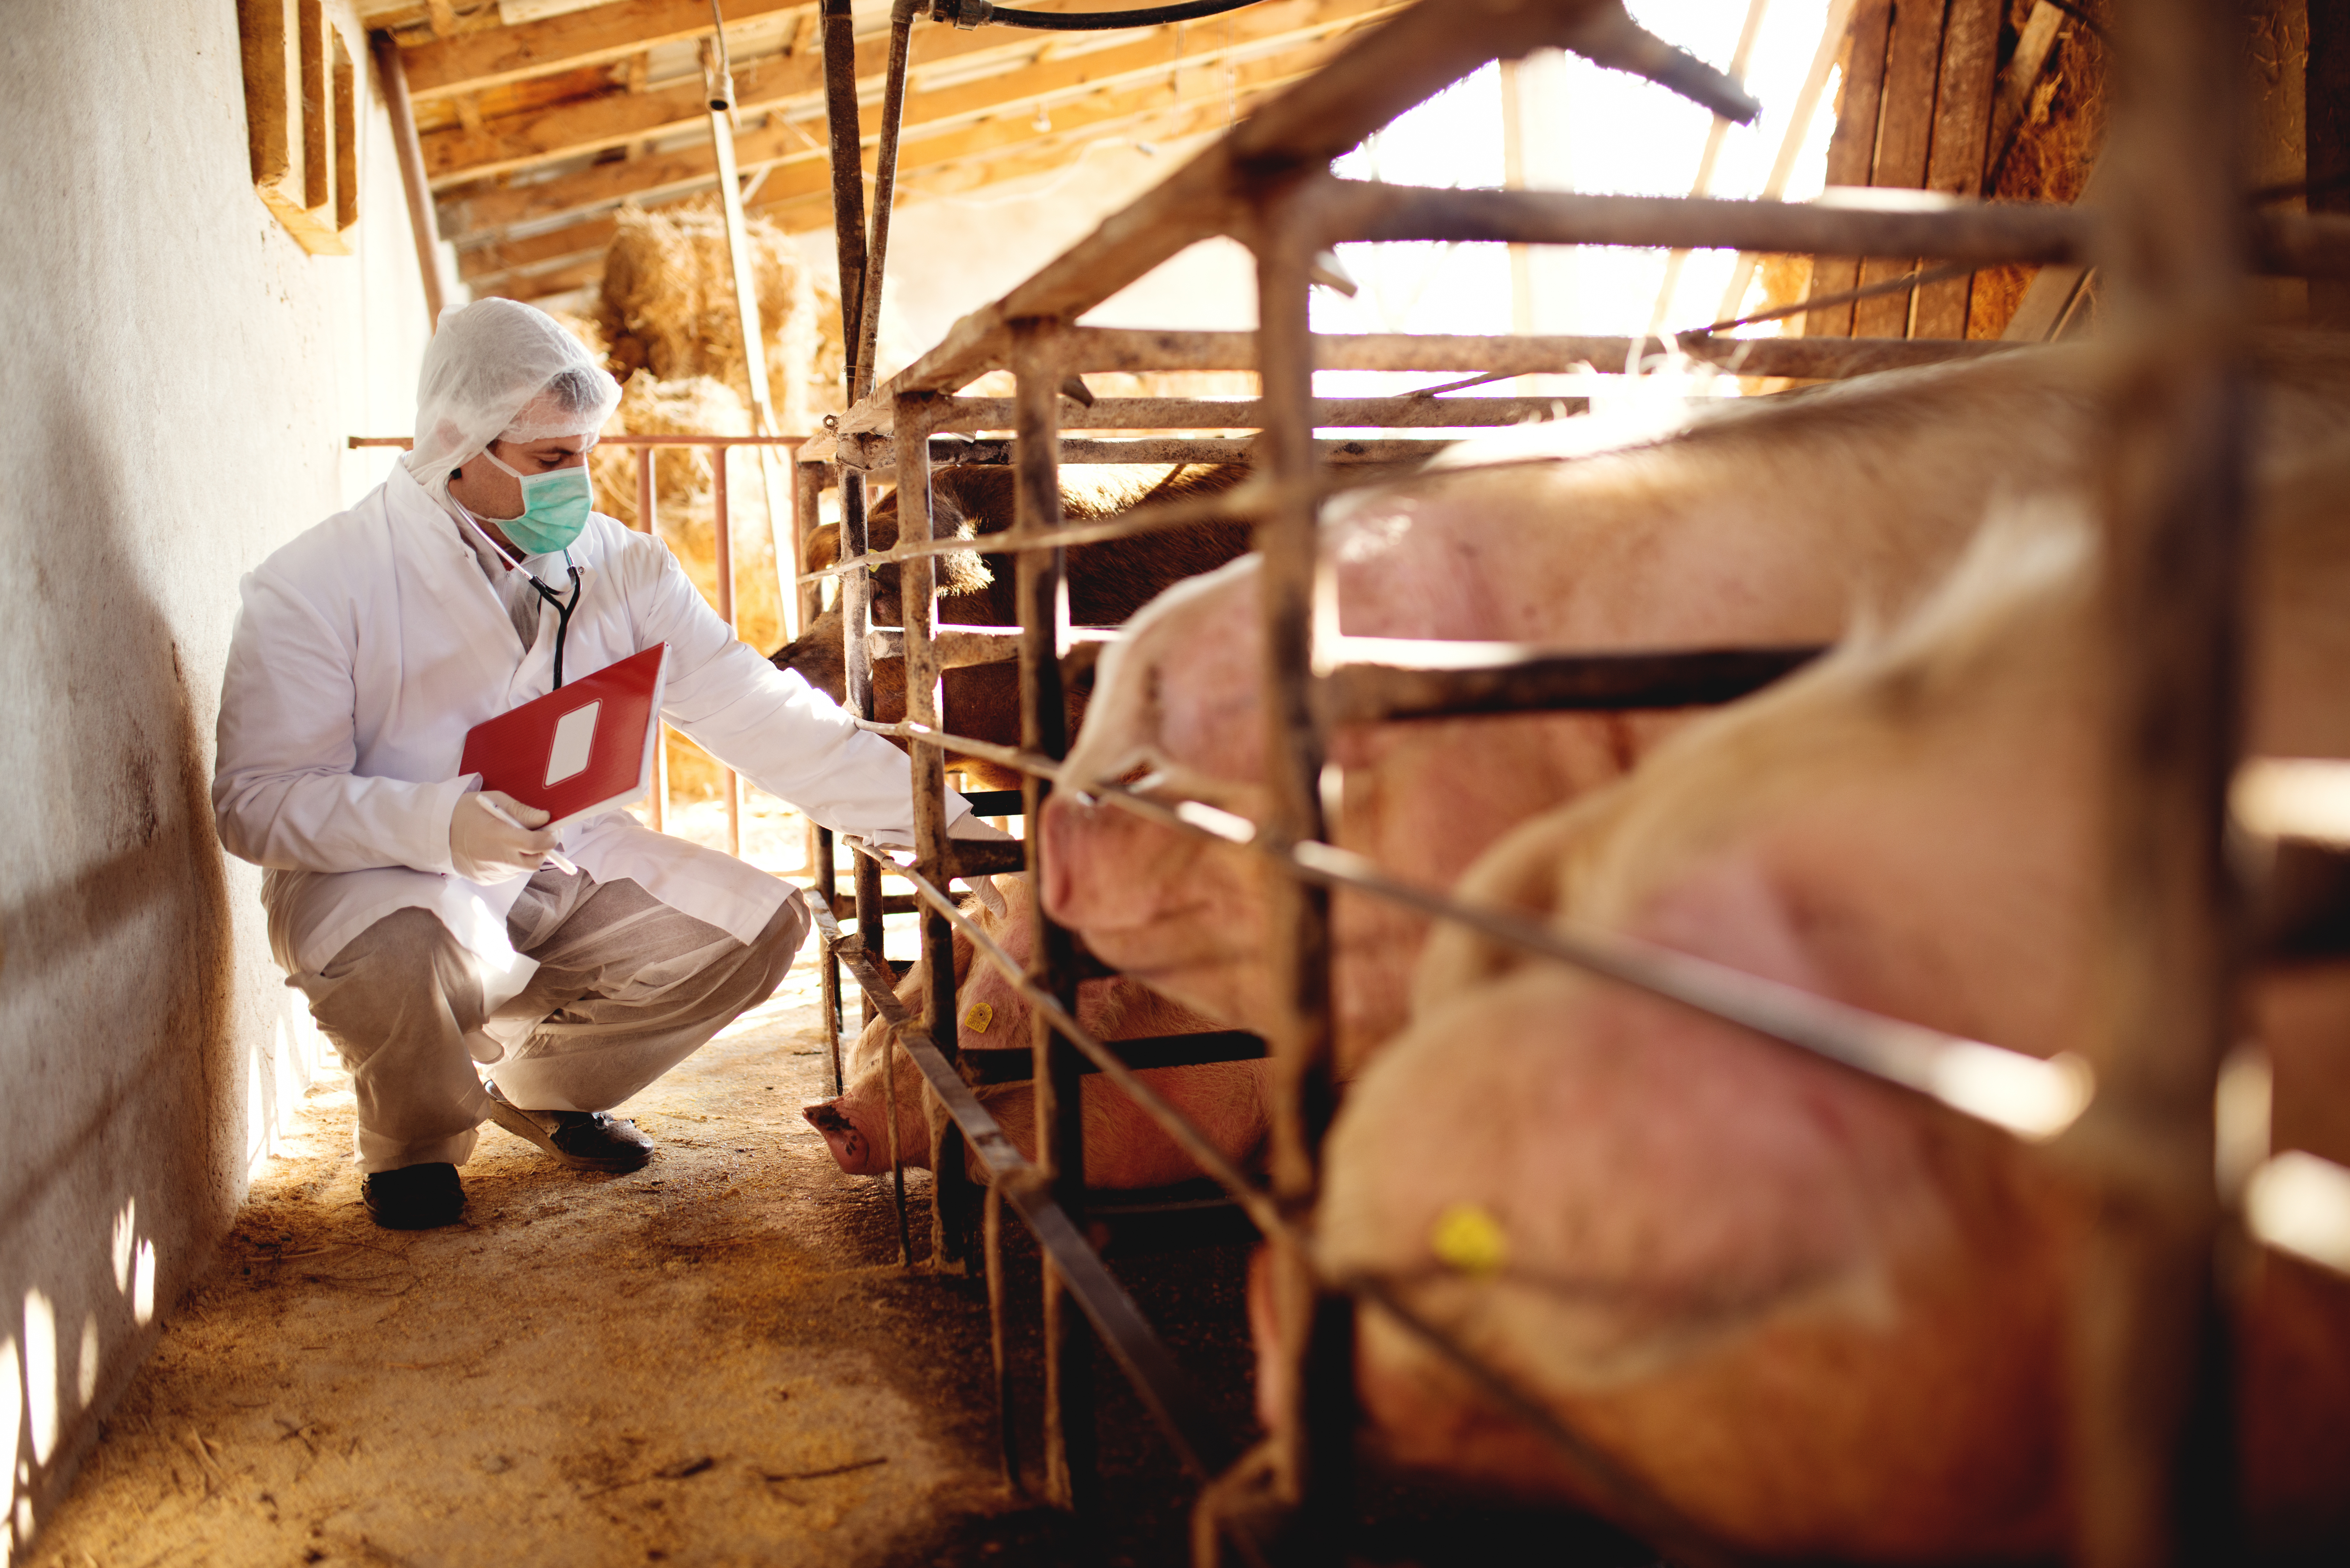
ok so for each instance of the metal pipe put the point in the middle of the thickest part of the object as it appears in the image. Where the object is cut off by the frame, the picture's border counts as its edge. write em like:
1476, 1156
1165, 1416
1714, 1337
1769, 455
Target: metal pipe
1071, 1459
1007, 1426
952, 1200
1192, 1430
847, 141
723, 529
1313, 1436
885, 187
648, 501
2154, 1417
392, 71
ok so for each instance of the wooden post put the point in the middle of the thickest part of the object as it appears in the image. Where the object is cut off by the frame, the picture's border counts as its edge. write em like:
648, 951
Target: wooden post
1313, 1436
2153, 1422
393, 74
1904, 140
1071, 1461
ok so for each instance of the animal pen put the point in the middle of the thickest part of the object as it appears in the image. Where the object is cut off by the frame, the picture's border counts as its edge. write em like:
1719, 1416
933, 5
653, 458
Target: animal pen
2171, 241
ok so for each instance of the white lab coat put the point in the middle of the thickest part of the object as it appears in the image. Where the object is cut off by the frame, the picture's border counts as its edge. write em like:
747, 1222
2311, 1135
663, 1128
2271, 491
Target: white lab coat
368, 647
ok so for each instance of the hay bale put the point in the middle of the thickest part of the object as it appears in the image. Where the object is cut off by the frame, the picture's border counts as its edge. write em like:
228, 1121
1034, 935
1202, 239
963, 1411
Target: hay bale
667, 303
698, 406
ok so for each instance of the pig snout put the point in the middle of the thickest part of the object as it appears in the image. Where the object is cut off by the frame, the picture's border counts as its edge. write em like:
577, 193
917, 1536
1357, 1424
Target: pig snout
851, 1149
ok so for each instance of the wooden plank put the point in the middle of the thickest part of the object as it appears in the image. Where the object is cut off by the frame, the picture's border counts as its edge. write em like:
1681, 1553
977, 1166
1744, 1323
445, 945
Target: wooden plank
1852, 152
473, 61
793, 85
1962, 106
1904, 140
800, 166
2326, 84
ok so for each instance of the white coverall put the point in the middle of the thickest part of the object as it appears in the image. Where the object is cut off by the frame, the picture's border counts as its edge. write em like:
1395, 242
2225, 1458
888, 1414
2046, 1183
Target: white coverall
365, 648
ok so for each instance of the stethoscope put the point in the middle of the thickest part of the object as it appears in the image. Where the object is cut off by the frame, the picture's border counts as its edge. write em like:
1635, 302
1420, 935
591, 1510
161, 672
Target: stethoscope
562, 610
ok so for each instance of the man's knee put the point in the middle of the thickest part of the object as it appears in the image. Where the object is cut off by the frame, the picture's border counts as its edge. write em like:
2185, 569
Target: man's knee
406, 942
404, 963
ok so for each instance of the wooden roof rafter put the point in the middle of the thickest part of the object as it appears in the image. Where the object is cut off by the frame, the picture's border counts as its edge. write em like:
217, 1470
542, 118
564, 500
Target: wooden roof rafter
995, 73
970, 118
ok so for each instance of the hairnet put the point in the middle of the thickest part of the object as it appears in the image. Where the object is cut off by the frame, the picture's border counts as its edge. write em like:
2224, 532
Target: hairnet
496, 369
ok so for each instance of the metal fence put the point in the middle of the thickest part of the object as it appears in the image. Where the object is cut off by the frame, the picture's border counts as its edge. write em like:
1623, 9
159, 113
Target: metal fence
2172, 242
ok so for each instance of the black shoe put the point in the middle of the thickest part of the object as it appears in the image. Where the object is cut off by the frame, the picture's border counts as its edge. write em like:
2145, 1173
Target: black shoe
583, 1140
414, 1197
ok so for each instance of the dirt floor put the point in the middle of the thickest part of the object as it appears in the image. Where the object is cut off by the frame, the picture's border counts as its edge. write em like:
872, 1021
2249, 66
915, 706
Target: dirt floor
715, 1360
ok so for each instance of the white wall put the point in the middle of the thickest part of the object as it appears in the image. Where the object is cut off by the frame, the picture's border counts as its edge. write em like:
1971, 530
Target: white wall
178, 382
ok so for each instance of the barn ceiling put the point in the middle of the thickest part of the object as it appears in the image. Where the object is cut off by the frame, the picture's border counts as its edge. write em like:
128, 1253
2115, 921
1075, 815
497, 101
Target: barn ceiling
539, 118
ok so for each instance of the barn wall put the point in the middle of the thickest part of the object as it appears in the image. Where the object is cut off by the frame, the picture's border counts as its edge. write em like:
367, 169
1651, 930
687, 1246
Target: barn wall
179, 377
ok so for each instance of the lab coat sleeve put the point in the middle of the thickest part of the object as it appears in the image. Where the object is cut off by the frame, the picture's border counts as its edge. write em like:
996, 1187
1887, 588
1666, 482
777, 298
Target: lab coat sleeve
770, 724
284, 794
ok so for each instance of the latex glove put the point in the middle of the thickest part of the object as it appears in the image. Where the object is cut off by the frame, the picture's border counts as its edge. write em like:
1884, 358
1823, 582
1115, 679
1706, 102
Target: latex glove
485, 849
974, 826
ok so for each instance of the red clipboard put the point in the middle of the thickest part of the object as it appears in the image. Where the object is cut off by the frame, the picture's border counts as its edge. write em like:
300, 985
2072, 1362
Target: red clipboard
583, 749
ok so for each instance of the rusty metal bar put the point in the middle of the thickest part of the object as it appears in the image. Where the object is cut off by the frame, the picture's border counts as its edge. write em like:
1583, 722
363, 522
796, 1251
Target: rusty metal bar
1191, 1427
2153, 1438
846, 139
648, 501
1071, 1456
1008, 1425
870, 454
1417, 679
1247, 413
723, 529
1313, 1438
1141, 1055
958, 646
885, 189
953, 1200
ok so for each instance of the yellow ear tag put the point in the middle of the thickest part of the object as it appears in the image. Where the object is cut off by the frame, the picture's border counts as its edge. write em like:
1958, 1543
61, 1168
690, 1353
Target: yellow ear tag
1466, 1237
980, 1016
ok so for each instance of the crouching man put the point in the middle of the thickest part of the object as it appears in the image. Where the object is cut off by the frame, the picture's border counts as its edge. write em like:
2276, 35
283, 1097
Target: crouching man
467, 962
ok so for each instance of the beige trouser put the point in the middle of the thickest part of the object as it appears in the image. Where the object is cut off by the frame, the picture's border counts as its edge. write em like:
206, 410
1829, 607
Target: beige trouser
627, 988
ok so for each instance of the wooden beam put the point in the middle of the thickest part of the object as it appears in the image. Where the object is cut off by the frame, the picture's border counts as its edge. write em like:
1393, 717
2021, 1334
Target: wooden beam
1904, 140
801, 180
795, 86
788, 149
1963, 103
473, 61
553, 261
1046, 156
1852, 152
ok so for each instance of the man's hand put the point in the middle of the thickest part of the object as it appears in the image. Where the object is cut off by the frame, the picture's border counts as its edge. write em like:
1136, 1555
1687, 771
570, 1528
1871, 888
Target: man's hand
485, 849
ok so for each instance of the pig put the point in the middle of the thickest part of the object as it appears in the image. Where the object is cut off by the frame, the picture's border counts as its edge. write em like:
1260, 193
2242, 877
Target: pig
1124, 1147
1818, 1316
1108, 582
1765, 521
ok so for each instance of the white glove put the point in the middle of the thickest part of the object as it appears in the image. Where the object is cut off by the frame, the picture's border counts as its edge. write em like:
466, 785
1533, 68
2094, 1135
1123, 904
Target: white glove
485, 850
974, 826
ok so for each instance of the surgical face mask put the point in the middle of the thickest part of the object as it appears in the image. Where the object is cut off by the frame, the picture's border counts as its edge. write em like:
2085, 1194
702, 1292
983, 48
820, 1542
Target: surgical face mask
555, 507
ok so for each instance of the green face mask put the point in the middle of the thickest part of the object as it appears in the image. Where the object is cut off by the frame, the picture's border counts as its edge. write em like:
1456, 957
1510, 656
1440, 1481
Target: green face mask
555, 507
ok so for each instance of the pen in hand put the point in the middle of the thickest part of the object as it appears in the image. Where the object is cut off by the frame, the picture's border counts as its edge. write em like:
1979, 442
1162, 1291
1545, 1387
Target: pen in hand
559, 863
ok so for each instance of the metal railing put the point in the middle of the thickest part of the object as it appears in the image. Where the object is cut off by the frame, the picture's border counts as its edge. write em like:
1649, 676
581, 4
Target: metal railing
2172, 243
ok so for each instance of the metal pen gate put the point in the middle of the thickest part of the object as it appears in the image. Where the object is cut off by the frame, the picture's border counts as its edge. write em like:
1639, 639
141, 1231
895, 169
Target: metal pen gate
2172, 243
